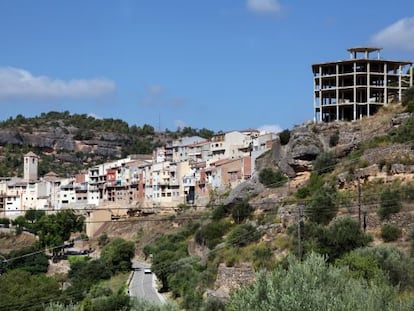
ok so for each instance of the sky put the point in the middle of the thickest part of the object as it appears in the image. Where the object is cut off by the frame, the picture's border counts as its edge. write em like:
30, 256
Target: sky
217, 64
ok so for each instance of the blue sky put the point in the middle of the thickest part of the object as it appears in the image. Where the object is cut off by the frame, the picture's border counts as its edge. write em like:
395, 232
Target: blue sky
218, 64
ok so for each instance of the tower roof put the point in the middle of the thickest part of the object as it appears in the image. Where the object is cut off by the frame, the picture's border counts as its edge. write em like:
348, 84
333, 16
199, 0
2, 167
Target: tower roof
31, 154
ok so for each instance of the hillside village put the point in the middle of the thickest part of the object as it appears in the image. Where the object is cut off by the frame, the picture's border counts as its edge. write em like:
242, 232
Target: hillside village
182, 172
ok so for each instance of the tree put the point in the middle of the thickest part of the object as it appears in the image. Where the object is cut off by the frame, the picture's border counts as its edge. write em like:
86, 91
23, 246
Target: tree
315, 285
54, 229
117, 255
340, 237
36, 263
33, 215
272, 179
397, 265
390, 203
211, 234
19, 290
241, 211
83, 274
390, 233
242, 235
322, 207
284, 137
324, 162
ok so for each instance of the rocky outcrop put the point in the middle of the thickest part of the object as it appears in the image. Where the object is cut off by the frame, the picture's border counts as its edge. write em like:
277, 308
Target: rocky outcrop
56, 139
244, 191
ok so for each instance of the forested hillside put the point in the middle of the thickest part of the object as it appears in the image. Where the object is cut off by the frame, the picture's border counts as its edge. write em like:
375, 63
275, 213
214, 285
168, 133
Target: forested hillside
67, 143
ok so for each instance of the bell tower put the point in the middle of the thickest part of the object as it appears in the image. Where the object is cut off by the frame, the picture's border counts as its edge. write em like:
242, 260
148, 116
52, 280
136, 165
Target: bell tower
31, 161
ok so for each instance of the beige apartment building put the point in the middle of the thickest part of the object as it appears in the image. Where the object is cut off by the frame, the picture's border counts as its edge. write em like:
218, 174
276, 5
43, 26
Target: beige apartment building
357, 87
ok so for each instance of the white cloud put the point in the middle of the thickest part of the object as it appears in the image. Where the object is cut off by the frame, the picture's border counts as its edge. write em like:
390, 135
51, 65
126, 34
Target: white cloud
399, 35
264, 6
20, 83
154, 90
180, 123
272, 128
155, 95
95, 116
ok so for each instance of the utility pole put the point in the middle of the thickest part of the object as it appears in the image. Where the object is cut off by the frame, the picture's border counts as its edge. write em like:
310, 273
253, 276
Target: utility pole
359, 202
300, 228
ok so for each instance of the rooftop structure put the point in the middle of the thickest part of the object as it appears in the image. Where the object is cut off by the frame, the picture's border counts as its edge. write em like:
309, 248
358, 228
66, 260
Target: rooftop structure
357, 87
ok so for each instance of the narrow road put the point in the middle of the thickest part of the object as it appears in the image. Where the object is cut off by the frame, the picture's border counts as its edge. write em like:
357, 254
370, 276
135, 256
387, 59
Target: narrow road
142, 284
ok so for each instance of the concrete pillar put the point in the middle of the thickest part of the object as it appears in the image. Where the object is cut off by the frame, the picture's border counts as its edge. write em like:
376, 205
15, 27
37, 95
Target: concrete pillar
368, 86
385, 84
337, 91
355, 93
314, 99
400, 83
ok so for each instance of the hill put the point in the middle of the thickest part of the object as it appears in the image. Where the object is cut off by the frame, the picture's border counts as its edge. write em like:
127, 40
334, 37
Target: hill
68, 142
348, 185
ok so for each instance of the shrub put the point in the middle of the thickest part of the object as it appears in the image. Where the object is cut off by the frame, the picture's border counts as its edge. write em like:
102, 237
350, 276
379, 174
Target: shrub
212, 233
334, 139
284, 137
408, 97
117, 255
241, 211
315, 285
390, 233
272, 179
219, 212
396, 264
325, 162
242, 235
322, 207
5, 222
390, 203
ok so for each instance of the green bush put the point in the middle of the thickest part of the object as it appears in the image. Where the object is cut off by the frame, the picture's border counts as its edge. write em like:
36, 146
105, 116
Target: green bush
117, 255
315, 285
325, 162
219, 212
284, 137
212, 233
5, 222
322, 207
242, 235
408, 97
397, 265
390, 233
241, 211
334, 139
361, 266
272, 179
390, 203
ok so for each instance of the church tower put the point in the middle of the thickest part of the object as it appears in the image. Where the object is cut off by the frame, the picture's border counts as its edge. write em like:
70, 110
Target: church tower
31, 161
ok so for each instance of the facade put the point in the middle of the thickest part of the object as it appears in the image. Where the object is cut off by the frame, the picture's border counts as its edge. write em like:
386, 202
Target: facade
351, 89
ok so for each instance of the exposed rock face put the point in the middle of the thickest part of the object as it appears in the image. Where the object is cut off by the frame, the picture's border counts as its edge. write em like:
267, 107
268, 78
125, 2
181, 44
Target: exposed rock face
245, 190
309, 140
60, 139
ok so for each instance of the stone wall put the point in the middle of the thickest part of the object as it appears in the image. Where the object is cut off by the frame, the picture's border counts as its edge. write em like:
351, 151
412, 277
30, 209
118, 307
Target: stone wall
231, 278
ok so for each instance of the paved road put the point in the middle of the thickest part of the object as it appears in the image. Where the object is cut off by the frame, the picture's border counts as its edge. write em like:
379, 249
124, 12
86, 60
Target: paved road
142, 285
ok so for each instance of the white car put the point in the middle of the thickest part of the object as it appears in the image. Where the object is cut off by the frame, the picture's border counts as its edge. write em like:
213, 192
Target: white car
147, 270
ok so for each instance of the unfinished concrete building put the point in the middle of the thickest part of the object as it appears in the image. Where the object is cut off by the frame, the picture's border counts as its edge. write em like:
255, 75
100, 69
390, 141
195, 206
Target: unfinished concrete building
357, 87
